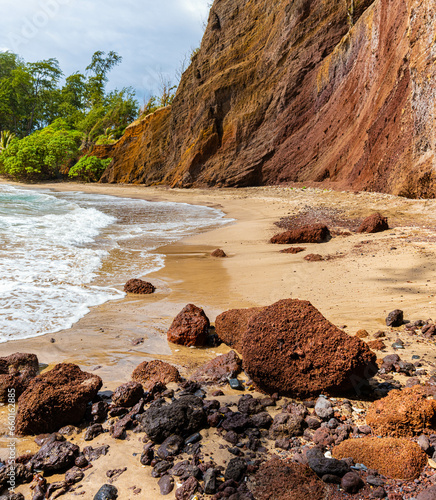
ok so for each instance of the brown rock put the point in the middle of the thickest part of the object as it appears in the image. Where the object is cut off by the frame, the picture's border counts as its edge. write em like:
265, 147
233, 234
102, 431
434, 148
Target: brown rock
16, 372
148, 373
190, 327
280, 480
290, 348
376, 345
55, 399
230, 326
139, 286
375, 223
315, 233
362, 334
313, 257
393, 457
293, 250
218, 253
402, 413
128, 394
218, 369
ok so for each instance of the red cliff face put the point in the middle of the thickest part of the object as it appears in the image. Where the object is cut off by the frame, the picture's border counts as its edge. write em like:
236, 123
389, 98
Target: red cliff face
302, 90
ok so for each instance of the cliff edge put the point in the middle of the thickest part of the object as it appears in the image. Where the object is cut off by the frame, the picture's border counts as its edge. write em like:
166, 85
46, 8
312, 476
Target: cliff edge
339, 92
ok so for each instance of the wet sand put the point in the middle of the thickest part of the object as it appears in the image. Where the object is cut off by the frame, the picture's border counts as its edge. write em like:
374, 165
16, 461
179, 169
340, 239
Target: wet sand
369, 276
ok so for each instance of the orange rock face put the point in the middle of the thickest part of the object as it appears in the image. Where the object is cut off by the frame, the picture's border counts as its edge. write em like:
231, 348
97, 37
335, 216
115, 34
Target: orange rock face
306, 91
392, 457
402, 413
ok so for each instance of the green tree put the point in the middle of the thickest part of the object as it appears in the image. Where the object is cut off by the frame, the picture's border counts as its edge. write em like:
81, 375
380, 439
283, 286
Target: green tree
99, 69
45, 76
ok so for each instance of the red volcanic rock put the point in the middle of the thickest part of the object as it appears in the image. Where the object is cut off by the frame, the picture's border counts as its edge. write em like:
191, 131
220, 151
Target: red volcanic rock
280, 480
293, 250
56, 399
231, 325
313, 257
290, 348
190, 327
315, 233
393, 457
148, 373
218, 369
402, 413
218, 253
139, 286
375, 223
16, 372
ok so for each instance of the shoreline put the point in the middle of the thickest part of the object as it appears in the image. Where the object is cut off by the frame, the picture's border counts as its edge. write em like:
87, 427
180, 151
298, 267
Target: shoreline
357, 288
367, 276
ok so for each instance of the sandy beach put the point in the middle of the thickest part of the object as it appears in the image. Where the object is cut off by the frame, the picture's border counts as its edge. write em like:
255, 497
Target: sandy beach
365, 277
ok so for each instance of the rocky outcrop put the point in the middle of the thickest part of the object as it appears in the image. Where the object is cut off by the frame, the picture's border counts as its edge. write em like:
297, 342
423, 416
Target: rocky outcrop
55, 399
290, 348
338, 93
190, 327
403, 413
149, 373
406, 459
16, 372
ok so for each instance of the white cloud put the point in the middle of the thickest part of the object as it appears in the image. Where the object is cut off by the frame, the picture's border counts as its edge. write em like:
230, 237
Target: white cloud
152, 37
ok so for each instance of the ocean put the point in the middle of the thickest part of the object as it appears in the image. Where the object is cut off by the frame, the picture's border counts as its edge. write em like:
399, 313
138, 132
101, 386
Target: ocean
62, 253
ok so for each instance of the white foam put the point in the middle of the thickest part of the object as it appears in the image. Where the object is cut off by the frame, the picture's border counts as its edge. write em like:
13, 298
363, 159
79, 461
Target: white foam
53, 246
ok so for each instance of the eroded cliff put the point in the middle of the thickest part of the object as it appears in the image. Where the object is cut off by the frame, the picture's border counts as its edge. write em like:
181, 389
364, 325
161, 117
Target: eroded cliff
303, 90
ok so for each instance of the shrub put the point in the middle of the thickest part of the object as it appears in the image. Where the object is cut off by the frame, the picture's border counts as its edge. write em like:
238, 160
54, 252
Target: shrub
45, 154
89, 168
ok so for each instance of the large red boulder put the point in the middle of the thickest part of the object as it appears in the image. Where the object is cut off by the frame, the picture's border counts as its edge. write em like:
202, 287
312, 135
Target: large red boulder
149, 373
190, 327
55, 399
375, 223
231, 325
315, 233
403, 413
16, 372
290, 348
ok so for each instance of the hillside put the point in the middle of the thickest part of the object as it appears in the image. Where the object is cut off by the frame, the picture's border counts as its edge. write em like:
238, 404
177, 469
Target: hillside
302, 91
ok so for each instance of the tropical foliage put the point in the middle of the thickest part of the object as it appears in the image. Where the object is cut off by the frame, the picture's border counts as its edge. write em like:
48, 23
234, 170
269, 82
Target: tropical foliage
44, 118
89, 168
45, 154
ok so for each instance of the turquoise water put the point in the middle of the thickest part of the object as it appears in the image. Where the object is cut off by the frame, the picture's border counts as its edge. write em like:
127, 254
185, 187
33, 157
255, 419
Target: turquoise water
53, 247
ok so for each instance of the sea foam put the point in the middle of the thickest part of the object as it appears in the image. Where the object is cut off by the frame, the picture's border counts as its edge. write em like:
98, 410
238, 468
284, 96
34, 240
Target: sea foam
53, 247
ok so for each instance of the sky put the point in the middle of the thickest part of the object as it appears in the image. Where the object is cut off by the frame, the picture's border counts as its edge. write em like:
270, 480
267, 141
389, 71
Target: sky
153, 37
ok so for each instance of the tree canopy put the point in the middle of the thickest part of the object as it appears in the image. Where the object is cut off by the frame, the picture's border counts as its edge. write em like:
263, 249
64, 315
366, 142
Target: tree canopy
34, 95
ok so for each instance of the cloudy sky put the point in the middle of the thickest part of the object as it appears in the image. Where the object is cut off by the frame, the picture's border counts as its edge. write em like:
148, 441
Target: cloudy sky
152, 36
